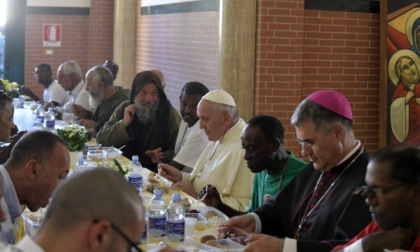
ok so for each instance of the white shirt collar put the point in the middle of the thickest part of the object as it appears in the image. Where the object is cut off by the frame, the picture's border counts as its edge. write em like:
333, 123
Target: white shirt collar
350, 153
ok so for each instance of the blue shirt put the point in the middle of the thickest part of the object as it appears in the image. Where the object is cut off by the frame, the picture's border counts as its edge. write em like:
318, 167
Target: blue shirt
12, 201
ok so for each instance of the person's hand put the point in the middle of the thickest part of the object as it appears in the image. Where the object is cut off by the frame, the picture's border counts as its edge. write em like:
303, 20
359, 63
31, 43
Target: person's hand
186, 188
245, 222
212, 196
397, 238
155, 155
262, 242
28, 92
169, 172
89, 124
78, 111
48, 105
129, 113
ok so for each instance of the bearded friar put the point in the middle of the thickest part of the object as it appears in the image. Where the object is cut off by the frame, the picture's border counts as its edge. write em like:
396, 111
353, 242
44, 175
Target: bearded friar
146, 125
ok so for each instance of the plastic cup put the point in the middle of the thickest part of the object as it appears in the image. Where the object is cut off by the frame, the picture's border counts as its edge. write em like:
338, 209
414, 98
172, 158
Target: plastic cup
23, 118
189, 225
69, 118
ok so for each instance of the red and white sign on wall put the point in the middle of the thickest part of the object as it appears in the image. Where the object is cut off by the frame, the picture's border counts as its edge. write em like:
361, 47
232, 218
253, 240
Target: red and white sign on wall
51, 35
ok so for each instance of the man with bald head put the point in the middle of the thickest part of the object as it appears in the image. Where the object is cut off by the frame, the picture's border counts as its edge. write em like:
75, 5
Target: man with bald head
38, 162
92, 220
103, 98
221, 165
84, 215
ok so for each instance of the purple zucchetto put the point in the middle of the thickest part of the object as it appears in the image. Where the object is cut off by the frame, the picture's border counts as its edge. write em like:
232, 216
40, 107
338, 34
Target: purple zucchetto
333, 101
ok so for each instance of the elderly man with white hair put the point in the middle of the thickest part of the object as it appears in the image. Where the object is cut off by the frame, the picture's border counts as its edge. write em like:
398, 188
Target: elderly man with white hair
103, 97
69, 75
221, 165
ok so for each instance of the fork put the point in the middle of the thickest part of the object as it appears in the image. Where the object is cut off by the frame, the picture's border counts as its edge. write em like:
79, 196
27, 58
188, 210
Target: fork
199, 200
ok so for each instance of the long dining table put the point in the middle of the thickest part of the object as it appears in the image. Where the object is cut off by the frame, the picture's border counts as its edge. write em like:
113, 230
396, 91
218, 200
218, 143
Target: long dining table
197, 224
149, 179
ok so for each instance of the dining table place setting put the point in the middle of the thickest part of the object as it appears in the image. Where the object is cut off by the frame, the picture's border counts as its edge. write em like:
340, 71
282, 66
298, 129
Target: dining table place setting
202, 223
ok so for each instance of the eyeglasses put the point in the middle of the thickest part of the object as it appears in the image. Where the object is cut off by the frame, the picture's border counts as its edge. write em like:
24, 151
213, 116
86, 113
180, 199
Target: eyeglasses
309, 143
135, 245
366, 191
305, 143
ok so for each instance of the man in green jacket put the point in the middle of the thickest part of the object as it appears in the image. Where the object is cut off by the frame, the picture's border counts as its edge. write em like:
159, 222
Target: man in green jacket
147, 124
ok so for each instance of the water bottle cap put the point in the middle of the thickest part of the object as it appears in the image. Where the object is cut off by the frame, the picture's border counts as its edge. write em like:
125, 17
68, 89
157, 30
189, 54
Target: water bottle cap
157, 192
135, 158
176, 197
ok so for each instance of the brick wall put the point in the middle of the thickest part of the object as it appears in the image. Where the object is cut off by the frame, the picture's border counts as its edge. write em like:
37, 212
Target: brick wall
297, 52
88, 39
279, 60
74, 45
101, 31
183, 45
300, 51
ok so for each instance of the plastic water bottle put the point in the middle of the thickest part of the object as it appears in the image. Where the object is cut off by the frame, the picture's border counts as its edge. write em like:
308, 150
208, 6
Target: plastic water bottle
135, 176
156, 228
39, 114
175, 221
85, 150
82, 164
50, 120
38, 118
20, 103
135, 164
